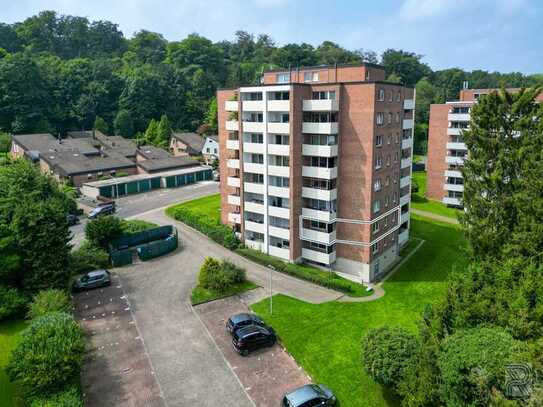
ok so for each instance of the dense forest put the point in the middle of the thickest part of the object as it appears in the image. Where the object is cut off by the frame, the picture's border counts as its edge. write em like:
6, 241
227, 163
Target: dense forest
60, 72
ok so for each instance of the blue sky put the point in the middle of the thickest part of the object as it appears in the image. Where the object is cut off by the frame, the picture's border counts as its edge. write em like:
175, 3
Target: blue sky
502, 35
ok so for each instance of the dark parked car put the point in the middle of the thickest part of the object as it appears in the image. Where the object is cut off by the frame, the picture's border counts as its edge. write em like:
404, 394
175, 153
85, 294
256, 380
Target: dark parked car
240, 320
252, 337
310, 395
93, 279
102, 210
72, 220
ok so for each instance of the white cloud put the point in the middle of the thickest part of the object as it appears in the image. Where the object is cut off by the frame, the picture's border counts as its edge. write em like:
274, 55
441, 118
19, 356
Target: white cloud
413, 10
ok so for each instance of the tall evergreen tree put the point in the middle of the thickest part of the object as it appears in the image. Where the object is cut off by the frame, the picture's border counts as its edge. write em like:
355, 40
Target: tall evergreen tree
164, 132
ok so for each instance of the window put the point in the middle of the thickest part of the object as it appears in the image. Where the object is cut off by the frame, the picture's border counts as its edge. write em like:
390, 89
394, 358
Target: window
390, 96
397, 138
283, 78
311, 76
398, 96
378, 162
397, 117
375, 227
394, 197
387, 181
381, 95
324, 95
380, 119
379, 141
214, 151
396, 155
281, 182
377, 185
389, 139
374, 248
386, 221
208, 150
387, 201
388, 160
389, 117
376, 206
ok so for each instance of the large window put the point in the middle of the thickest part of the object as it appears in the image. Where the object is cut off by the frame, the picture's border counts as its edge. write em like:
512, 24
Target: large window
320, 205
320, 139
282, 182
315, 117
278, 202
279, 160
253, 178
256, 138
322, 162
283, 78
311, 76
279, 139
381, 95
279, 222
324, 95
319, 183
376, 206
380, 118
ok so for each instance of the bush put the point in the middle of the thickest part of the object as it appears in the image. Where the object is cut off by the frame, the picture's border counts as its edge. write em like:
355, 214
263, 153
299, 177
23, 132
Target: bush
48, 356
71, 397
414, 186
103, 230
88, 257
48, 301
12, 303
219, 277
136, 226
386, 353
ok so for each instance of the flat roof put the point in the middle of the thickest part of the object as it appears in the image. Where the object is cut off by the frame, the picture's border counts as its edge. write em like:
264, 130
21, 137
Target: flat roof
370, 82
168, 163
326, 66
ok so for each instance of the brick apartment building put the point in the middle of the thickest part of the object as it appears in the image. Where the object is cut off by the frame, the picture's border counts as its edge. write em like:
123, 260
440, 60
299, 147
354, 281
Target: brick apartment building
316, 166
446, 147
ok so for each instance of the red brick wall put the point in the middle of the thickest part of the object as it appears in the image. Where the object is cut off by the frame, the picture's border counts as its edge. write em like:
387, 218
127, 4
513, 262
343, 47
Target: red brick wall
437, 151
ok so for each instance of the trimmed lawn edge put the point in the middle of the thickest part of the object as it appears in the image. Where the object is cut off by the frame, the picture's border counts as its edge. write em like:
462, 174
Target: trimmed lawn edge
208, 295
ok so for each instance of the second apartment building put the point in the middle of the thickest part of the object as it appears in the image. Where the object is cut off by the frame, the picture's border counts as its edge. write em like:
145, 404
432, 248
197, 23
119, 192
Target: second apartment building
317, 166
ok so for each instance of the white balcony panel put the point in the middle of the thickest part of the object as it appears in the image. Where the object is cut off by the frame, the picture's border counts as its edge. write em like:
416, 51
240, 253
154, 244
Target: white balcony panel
231, 105
232, 144
453, 174
456, 146
253, 127
257, 148
232, 125
324, 105
254, 168
319, 257
254, 245
317, 236
279, 232
407, 124
454, 131
406, 163
278, 170
322, 194
408, 104
233, 163
407, 143
454, 160
279, 128
252, 105
319, 215
404, 217
233, 182
405, 181
234, 200
282, 253
319, 151
253, 207
405, 199
234, 217
403, 237
453, 187
281, 192
283, 213
452, 201
279, 149
319, 128
459, 117
254, 227
253, 187
319, 172
278, 105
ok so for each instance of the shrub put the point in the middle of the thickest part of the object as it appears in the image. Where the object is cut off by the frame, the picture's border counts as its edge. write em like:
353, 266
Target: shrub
235, 274
386, 353
71, 397
12, 303
48, 301
219, 276
103, 230
414, 186
88, 257
136, 225
208, 271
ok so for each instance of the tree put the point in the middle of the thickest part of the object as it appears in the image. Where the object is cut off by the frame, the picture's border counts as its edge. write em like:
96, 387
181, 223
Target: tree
48, 356
151, 133
12, 303
48, 301
100, 125
88, 257
124, 126
406, 65
211, 116
103, 230
164, 132
149, 47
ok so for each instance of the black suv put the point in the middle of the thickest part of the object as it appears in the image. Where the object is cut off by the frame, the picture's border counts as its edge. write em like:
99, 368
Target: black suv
238, 321
93, 279
252, 337
102, 210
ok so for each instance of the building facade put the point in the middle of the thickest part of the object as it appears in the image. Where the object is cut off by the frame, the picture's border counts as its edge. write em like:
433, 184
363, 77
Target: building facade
316, 166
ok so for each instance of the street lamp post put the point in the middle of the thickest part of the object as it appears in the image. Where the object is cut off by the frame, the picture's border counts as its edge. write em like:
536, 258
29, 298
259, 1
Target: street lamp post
271, 268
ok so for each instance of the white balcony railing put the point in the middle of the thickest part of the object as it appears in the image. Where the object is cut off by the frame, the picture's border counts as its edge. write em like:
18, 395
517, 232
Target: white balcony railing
319, 172
254, 168
315, 214
405, 199
232, 163
452, 201
234, 200
279, 170
320, 128
459, 117
408, 104
321, 194
279, 232
456, 146
252, 105
313, 255
278, 105
404, 217
280, 252
407, 143
278, 128
257, 148
453, 187
319, 151
281, 192
278, 212
407, 124
253, 127
255, 245
231, 105
405, 163
253, 207
233, 182
403, 237
451, 159
405, 181
253, 187
232, 144
232, 125
234, 217
453, 174
279, 149
320, 105
454, 131
254, 226
318, 236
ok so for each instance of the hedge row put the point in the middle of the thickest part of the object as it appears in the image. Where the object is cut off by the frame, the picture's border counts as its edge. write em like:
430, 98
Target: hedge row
213, 229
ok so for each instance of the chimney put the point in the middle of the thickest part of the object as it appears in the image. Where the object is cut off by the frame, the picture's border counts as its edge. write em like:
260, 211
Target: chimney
465, 85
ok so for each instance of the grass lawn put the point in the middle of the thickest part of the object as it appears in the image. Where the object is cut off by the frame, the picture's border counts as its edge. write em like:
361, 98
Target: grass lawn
9, 335
137, 225
208, 206
419, 200
325, 338
200, 294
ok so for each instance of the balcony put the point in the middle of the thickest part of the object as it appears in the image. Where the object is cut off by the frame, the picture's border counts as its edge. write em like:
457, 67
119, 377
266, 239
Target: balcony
456, 146
320, 105
279, 149
319, 151
254, 168
405, 199
278, 128
453, 187
322, 194
318, 236
451, 159
281, 192
405, 181
257, 148
454, 131
407, 124
313, 255
405, 163
232, 144
404, 217
253, 127
280, 252
234, 200
279, 232
315, 214
279, 170
254, 226
252, 105
232, 125
233, 182
278, 105
254, 244
233, 163
231, 105
459, 117
253, 207
407, 143
319, 172
319, 128
279, 212
453, 174
452, 201
234, 217
403, 237
408, 104
253, 187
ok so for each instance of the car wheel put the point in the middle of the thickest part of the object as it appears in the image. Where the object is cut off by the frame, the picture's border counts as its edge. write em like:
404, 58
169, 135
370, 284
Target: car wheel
244, 352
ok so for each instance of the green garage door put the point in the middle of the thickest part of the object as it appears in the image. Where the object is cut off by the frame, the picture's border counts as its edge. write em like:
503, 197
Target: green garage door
105, 191
181, 180
121, 189
200, 176
155, 183
170, 182
132, 187
190, 178
144, 185
208, 174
